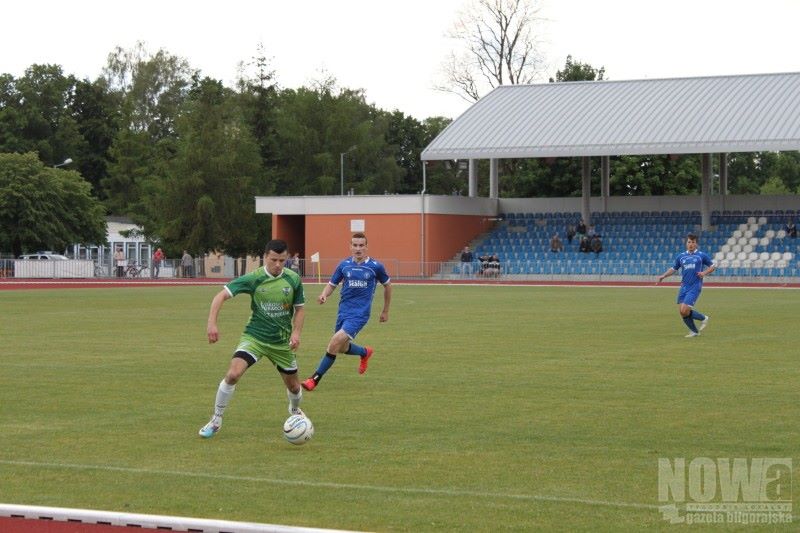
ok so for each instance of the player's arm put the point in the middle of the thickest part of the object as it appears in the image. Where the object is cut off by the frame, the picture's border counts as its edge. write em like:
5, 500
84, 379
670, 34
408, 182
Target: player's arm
327, 291
387, 300
297, 326
666, 274
213, 314
706, 272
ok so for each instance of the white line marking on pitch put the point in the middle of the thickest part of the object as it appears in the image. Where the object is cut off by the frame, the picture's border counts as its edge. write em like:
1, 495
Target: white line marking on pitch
320, 484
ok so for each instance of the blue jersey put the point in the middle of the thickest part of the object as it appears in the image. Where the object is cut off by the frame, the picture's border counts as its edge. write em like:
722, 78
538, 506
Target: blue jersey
359, 283
690, 264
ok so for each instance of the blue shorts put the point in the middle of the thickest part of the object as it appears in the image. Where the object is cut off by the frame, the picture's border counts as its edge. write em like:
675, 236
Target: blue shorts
350, 325
689, 295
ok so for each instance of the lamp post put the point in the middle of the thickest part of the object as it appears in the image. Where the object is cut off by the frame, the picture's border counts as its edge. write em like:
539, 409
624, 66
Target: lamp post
67, 161
341, 169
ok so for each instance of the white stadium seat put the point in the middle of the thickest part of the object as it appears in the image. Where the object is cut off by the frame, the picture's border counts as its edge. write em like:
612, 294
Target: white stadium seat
763, 256
747, 248
775, 256
762, 220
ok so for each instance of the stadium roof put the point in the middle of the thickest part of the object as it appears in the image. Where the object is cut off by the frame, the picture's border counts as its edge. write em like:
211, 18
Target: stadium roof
745, 113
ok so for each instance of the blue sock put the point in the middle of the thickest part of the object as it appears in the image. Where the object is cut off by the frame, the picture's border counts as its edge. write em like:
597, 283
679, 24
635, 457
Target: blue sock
689, 321
324, 365
355, 349
697, 315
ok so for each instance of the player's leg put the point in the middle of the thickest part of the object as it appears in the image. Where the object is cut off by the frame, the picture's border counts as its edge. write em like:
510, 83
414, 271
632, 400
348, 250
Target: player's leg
239, 364
697, 315
352, 327
337, 344
686, 300
285, 361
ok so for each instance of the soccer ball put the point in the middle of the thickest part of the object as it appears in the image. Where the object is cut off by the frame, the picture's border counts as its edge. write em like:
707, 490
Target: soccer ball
298, 429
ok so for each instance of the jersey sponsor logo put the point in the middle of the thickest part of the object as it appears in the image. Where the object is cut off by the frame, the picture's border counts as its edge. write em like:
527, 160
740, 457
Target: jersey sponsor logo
357, 283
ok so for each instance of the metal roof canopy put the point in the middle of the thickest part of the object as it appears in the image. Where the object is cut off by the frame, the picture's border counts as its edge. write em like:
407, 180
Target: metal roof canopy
743, 113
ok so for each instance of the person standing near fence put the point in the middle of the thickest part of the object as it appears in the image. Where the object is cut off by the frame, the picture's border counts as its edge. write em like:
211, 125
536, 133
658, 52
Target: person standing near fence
158, 258
359, 276
119, 261
187, 264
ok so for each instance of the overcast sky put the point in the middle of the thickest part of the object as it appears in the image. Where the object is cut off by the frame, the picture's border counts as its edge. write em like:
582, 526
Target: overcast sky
394, 49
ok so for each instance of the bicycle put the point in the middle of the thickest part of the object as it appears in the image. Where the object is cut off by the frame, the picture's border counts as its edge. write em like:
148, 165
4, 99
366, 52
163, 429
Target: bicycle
100, 271
135, 271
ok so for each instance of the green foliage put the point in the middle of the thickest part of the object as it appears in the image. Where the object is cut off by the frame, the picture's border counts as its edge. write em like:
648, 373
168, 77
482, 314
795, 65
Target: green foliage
577, 71
568, 439
775, 186
45, 208
207, 200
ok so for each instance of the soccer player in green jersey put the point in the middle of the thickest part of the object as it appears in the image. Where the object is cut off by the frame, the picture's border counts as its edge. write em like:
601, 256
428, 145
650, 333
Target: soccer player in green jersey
276, 321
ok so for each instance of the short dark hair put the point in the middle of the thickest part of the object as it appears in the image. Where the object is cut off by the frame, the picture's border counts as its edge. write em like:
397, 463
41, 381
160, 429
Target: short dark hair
359, 235
691, 237
276, 245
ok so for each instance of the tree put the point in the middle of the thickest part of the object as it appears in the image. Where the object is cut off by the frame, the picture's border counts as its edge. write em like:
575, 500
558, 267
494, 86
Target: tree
207, 200
498, 47
775, 186
577, 71
35, 114
45, 208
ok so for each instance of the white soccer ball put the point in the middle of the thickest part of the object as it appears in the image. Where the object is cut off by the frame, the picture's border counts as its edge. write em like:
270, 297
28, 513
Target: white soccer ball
298, 429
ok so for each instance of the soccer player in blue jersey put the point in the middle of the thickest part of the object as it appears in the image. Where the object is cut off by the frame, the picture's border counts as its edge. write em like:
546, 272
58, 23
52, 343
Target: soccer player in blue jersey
273, 331
359, 276
694, 266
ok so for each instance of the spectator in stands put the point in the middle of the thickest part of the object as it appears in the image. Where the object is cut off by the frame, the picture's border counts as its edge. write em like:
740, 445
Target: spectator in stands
581, 229
466, 262
494, 265
596, 244
791, 229
570, 232
555, 244
585, 245
591, 232
484, 261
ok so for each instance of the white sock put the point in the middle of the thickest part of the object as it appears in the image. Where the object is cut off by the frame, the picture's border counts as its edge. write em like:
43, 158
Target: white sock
224, 393
294, 399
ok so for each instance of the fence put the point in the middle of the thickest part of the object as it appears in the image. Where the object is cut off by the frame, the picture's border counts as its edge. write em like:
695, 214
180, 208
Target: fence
584, 269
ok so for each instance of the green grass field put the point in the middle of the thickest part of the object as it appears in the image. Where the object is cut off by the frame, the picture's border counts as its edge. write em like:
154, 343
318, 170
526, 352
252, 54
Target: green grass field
484, 408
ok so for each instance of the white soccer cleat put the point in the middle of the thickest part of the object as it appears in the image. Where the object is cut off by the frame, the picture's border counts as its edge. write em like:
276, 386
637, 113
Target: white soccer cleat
704, 323
209, 430
692, 334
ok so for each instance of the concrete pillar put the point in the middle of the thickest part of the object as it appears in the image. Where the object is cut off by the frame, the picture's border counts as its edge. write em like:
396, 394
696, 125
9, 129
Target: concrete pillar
473, 178
605, 178
494, 169
586, 196
705, 191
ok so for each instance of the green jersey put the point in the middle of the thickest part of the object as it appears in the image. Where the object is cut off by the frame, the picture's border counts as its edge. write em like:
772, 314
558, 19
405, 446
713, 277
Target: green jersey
272, 302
